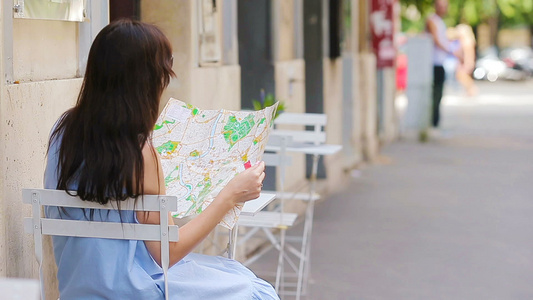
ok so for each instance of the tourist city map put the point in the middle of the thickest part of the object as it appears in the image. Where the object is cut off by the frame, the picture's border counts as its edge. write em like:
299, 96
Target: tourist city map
202, 150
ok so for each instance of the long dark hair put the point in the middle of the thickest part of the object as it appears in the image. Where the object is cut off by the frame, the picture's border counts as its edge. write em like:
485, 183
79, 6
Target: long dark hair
102, 137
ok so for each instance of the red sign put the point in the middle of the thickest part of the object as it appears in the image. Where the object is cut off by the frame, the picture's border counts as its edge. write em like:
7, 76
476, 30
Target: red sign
382, 27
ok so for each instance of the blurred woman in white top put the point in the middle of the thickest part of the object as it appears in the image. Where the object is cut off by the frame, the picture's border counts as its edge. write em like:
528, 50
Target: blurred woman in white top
441, 49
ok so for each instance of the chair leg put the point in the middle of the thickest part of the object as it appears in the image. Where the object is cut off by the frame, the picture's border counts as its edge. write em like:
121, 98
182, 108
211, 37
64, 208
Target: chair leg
235, 236
303, 270
307, 267
38, 237
254, 258
229, 245
303, 251
280, 270
232, 245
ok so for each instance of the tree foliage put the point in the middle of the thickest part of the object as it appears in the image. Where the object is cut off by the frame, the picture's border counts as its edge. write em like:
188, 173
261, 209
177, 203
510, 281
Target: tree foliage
509, 12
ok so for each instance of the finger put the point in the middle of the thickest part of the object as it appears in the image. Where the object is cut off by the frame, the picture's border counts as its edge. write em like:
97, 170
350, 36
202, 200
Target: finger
260, 166
262, 177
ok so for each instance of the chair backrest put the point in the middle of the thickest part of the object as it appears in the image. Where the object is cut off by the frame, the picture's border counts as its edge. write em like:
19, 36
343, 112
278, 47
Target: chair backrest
86, 228
280, 157
276, 160
301, 119
317, 122
19, 288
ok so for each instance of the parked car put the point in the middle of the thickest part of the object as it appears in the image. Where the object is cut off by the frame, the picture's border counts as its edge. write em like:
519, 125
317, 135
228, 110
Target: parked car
490, 67
519, 58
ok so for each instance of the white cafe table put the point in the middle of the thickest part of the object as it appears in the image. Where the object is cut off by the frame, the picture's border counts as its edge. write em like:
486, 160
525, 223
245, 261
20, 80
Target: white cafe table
252, 207
324, 149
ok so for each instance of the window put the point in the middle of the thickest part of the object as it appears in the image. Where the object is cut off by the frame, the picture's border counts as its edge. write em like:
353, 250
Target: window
72, 10
209, 46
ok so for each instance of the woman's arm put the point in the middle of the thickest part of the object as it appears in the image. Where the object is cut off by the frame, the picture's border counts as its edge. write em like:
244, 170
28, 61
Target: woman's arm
245, 186
432, 28
469, 50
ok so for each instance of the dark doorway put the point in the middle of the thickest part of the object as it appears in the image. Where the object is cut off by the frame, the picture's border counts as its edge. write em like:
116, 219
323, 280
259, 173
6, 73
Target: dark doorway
335, 28
313, 55
314, 71
119, 9
255, 50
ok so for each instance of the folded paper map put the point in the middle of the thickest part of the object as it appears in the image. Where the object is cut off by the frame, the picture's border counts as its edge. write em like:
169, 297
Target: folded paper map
202, 150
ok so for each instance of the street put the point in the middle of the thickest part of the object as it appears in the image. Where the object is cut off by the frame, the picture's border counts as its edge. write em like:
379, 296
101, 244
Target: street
448, 219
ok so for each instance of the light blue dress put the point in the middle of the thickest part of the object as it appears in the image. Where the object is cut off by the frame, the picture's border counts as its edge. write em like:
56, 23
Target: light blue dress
90, 268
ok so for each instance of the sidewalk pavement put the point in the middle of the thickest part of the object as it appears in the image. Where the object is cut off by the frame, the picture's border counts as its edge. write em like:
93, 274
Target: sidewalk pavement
448, 219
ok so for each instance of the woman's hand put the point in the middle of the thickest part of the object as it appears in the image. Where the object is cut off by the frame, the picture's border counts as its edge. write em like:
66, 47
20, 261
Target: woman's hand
245, 186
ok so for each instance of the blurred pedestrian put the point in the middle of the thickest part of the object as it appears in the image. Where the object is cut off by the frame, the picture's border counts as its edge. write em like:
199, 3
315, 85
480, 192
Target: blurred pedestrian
464, 70
441, 49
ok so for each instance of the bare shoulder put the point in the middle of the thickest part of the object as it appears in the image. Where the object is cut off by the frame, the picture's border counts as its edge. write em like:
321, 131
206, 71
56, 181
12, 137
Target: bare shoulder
430, 22
154, 182
431, 27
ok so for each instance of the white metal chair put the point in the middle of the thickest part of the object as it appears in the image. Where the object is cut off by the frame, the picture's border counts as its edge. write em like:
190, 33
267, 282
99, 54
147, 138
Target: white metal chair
277, 219
311, 142
40, 226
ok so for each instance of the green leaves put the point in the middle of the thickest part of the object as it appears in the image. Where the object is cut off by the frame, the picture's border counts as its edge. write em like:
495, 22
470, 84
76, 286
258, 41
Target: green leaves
473, 12
516, 12
281, 108
257, 105
266, 101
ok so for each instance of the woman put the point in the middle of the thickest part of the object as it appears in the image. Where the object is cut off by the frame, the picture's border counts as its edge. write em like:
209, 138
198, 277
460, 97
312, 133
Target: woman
101, 148
466, 66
